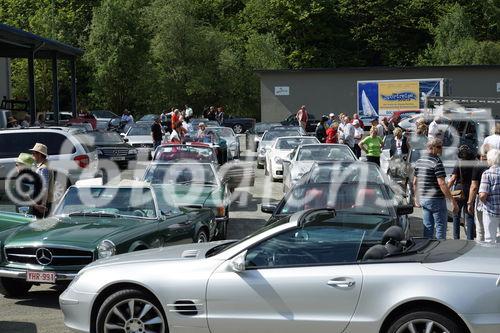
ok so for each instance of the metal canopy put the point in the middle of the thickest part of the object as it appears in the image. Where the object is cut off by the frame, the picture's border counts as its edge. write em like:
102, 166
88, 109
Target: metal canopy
17, 43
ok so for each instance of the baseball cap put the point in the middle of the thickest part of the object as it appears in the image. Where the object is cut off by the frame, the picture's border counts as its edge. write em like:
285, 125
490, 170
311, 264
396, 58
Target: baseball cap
331, 115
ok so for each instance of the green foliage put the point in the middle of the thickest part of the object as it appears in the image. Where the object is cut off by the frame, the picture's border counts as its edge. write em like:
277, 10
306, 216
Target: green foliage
153, 54
455, 42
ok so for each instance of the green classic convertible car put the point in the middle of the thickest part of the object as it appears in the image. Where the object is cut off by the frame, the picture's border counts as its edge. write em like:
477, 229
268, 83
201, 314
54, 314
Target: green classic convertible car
194, 185
9, 221
94, 222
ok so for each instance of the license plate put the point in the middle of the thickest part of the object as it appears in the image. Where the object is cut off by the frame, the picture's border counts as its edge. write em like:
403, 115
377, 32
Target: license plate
45, 277
118, 158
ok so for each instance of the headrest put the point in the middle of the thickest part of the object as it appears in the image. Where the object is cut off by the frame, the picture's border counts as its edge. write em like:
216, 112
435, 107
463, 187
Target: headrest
394, 233
375, 252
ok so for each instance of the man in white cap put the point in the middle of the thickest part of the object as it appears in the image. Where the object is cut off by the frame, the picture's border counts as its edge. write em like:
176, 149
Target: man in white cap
358, 135
331, 119
39, 152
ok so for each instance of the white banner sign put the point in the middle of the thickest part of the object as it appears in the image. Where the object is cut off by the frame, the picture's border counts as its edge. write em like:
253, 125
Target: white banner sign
282, 91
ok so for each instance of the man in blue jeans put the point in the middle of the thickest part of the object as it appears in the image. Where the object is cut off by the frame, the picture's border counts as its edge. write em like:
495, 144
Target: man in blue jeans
431, 190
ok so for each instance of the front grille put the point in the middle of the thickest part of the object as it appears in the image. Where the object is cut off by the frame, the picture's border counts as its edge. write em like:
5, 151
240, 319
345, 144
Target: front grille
114, 151
59, 256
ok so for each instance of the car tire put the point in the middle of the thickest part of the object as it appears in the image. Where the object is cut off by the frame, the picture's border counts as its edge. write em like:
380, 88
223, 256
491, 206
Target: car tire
418, 320
201, 236
238, 128
119, 303
260, 166
14, 287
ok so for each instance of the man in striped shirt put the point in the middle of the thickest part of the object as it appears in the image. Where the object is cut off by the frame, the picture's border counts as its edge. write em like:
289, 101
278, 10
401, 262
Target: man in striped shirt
489, 194
431, 191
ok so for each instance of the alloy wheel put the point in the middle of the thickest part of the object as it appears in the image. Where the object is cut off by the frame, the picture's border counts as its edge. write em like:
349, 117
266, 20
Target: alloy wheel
422, 326
238, 129
134, 316
202, 237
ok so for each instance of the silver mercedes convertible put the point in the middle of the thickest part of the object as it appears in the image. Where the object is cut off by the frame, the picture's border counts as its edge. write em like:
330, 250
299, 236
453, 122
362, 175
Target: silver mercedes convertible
317, 271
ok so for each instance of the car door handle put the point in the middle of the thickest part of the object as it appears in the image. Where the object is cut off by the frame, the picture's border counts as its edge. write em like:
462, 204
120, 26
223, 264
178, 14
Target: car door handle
341, 282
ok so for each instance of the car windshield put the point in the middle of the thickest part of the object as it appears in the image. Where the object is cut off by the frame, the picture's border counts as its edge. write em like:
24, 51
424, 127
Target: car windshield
223, 131
354, 197
346, 172
325, 153
292, 143
172, 153
148, 117
271, 135
139, 130
134, 202
105, 137
180, 173
104, 114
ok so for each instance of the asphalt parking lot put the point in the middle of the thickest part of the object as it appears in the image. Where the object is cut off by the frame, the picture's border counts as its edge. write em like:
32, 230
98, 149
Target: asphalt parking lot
39, 311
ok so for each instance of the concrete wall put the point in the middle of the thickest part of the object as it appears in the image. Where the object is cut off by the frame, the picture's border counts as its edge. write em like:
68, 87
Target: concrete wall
334, 90
4, 78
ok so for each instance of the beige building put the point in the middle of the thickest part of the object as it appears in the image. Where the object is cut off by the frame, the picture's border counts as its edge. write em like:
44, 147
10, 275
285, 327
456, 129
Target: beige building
335, 90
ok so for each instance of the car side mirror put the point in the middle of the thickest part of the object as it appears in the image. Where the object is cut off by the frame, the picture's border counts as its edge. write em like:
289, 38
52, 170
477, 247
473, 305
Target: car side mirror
404, 210
238, 263
270, 208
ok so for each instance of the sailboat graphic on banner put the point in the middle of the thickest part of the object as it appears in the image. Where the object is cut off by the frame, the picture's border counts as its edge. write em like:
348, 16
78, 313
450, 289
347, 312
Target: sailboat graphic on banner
368, 109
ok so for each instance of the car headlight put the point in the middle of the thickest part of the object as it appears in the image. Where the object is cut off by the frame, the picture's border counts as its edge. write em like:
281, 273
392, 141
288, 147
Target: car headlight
278, 160
132, 151
233, 145
262, 151
106, 249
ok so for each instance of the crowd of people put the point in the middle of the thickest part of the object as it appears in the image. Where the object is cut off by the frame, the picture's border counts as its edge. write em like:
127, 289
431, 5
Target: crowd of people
472, 190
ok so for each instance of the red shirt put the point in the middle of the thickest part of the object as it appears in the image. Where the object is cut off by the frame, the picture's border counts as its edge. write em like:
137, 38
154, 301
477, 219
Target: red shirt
331, 135
175, 119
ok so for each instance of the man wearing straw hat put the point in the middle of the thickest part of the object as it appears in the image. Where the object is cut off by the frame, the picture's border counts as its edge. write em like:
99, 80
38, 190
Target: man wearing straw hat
39, 152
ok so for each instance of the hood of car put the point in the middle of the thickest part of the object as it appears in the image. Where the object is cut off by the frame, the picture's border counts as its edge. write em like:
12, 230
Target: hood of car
79, 231
301, 167
103, 145
13, 220
192, 251
482, 258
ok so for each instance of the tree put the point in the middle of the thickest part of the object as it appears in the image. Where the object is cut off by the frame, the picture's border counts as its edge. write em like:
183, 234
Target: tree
118, 51
456, 44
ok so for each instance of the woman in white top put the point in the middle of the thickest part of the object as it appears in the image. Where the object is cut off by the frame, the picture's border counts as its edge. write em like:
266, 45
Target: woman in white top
175, 136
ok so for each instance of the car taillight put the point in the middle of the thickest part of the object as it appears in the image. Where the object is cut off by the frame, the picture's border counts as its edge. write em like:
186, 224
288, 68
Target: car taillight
82, 161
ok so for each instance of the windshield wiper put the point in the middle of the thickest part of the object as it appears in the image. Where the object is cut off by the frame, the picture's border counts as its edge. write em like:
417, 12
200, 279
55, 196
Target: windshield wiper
97, 213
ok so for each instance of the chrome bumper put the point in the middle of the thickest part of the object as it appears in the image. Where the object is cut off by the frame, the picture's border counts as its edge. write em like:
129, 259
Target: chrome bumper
21, 274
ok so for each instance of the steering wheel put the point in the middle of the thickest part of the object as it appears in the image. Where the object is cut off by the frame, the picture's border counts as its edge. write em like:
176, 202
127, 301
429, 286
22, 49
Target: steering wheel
140, 213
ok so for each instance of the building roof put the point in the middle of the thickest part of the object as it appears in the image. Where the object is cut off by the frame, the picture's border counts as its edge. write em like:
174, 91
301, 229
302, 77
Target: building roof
17, 43
372, 68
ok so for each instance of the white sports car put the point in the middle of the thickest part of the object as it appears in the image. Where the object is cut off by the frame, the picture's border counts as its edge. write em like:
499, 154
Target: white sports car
315, 271
280, 149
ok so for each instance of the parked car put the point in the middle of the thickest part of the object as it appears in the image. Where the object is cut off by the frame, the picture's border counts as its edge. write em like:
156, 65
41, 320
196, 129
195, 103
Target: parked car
235, 173
84, 127
311, 124
64, 118
295, 269
267, 140
149, 118
94, 222
253, 136
194, 185
369, 198
10, 221
232, 141
280, 149
71, 156
213, 139
103, 117
111, 146
239, 125
139, 136
302, 158
196, 121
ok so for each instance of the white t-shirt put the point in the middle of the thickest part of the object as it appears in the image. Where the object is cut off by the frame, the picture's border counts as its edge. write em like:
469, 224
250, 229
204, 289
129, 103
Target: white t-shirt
174, 135
493, 141
380, 130
358, 134
189, 112
434, 132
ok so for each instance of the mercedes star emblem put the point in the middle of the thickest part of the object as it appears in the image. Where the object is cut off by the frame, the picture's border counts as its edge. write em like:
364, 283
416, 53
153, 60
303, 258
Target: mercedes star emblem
43, 256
